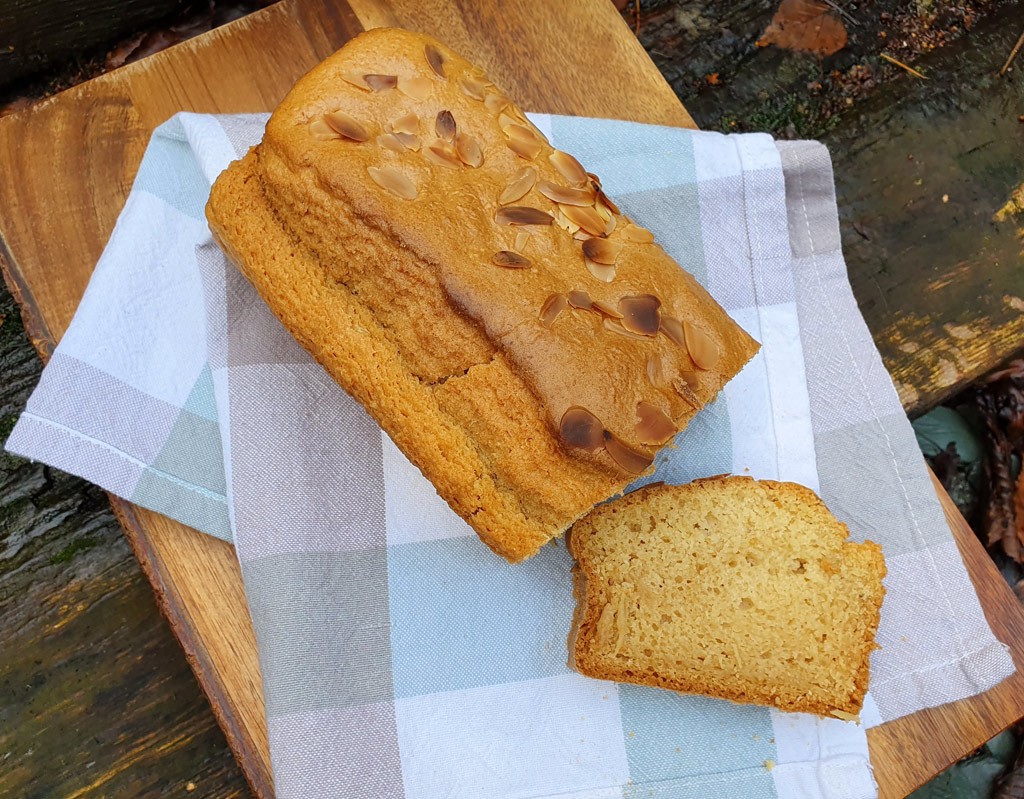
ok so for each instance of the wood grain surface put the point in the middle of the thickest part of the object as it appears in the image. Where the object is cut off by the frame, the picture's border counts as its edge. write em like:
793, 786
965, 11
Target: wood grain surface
70, 162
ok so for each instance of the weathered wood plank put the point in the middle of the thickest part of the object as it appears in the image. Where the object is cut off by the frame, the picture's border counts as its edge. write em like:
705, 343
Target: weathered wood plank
37, 34
940, 281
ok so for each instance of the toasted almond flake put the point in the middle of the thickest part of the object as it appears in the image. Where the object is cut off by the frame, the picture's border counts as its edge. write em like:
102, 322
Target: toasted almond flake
356, 79
474, 86
839, 714
389, 141
394, 181
522, 239
654, 427
604, 198
580, 235
510, 260
603, 272
657, 372
630, 460
435, 59
565, 223
602, 251
527, 149
552, 307
636, 234
520, 186
409, 140
578, 427
416, 88
581, 300
616, 327
601, 208
605, 309
468, 150
346, 126
495, 102
673, 328
521, 215
443, 154
585, 217
702, 347
569, 168
683, 388
641, 313
381, 83
410, 123
564, 194
444, 126
609, 226
505, 120
521, 132
594, 179
320, 130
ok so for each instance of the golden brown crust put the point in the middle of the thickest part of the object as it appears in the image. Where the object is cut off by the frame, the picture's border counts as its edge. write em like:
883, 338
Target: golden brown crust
590, 656
382, 262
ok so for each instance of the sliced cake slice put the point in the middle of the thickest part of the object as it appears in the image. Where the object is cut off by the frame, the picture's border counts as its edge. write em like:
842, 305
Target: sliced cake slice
735, 588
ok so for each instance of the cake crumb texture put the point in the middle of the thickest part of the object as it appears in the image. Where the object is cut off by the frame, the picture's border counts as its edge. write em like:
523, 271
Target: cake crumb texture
735, 588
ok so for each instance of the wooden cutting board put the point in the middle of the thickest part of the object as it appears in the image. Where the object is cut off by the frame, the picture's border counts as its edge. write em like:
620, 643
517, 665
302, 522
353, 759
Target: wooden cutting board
68, 166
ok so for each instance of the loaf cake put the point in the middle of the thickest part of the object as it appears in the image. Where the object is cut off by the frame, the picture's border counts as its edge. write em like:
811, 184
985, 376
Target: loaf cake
729, 587
524, 343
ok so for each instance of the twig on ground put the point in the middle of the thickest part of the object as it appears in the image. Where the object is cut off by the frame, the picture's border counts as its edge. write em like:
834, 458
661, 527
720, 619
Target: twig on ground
900, 64
842, 11
1013, 55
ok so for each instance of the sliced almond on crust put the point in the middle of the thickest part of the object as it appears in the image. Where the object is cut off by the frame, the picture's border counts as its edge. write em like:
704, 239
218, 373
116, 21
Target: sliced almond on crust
615, 326
603, 272
520, 186
510, 260
605, 309
703, 349
415, 88
525, 148
636, 234
586, 218
654, 427
602, 251
394, 181
657, 372
673, 328
435, 59
495, 102
357, 79
409, 140
320, 130
474, 86
569, 168
444, 126
564, 194
389, 141
346, 126
468, 150
578, 427
552, 307
630, 460
581, 300
381, 83
641, 313
443, 154
409, 123
521, 215
522, 239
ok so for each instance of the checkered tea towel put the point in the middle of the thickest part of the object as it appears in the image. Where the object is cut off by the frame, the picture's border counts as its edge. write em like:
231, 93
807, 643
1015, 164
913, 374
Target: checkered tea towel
400, 657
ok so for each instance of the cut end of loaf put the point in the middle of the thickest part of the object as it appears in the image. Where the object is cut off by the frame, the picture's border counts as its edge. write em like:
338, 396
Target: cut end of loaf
729, 587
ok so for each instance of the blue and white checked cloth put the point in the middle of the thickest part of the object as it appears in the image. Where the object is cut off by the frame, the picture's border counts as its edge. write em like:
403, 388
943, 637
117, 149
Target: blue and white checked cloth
400, 658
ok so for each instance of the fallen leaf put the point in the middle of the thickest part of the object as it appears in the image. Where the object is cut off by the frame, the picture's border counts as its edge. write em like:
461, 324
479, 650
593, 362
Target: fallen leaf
712, 79
805, 26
